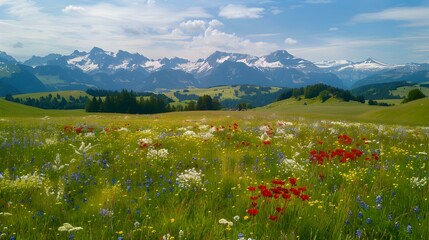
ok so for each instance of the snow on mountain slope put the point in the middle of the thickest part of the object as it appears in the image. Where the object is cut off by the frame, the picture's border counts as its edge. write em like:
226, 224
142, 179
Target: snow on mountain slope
332, 63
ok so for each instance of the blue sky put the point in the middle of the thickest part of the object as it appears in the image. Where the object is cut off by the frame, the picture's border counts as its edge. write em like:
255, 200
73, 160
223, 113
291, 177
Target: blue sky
391, 31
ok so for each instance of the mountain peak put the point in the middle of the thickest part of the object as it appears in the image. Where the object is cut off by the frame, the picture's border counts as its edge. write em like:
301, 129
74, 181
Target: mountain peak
96, 50
372, 60
5, 57
281, 54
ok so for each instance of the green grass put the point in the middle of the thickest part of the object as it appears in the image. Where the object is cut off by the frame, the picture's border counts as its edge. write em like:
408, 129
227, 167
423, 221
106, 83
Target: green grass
403, 91
13, 110
414, 113
227, 92
118, 187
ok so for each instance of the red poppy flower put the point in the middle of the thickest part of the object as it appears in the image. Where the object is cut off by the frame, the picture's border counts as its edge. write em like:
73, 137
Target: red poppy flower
254, 204
254, 198
279, 209
267, 193
252, 211
274, 218
286, 196
251, 188
292, 181
305, 197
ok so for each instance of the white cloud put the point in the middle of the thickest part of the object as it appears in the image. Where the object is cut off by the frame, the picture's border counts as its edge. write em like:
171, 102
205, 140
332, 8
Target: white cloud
193, 25
215, 23
214, 39
240, 11
290, 41
333, 29
413, 16
73, 9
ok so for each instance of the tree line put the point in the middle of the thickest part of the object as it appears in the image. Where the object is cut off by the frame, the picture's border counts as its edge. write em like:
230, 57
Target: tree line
51, 101
128, 102
323, 91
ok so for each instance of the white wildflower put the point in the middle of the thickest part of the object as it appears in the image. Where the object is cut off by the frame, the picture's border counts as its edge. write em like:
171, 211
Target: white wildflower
189, 133
83, 149
57, 163
5, 214
223, 221
418, 182
204, 127
189, 179
290, 165
67, 227
144, 142
160, 154
206, 136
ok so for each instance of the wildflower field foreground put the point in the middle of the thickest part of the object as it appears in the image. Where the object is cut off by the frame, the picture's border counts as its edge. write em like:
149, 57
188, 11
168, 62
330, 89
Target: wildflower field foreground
204, 176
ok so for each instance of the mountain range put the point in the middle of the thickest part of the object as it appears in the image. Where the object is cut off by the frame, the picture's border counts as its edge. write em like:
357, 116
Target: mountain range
114, 71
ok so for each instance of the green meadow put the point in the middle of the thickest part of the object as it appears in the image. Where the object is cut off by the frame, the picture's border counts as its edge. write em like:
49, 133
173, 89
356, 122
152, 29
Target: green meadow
289, 170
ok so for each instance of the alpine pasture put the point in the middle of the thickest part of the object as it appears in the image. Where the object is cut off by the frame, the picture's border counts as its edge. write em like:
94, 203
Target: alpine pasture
279, 172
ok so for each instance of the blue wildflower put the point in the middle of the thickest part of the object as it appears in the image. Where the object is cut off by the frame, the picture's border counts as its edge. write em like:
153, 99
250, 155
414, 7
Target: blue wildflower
379, 199
368, 221
409, 229
358, 233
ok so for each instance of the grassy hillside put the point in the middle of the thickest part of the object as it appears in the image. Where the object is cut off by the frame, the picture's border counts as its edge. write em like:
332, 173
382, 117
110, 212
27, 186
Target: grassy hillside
403, 91
413, 113
229, 96
11, 109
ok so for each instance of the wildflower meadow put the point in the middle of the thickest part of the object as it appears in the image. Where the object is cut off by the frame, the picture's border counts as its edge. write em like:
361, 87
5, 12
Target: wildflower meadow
211, 177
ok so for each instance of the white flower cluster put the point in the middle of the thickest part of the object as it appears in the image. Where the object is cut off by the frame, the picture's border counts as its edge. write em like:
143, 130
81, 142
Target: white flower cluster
144, 142
67, 227
224, 221
189, 179
206, 136
160, 154
418, 182
290, 165
189, 133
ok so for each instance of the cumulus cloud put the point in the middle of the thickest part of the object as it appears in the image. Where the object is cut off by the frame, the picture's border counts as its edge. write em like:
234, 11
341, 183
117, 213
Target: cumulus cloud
240, 11
290, 41
333, 29
214, 39
72, 9
413, 16
215, 23
193, 25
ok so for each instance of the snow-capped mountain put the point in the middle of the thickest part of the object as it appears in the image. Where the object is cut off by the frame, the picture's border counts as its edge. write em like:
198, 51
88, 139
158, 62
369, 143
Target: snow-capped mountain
109, 70
350, 72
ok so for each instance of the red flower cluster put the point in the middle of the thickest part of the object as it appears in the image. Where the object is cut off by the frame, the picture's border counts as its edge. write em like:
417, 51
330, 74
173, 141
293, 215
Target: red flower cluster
345, 140
277, 191
343, 155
